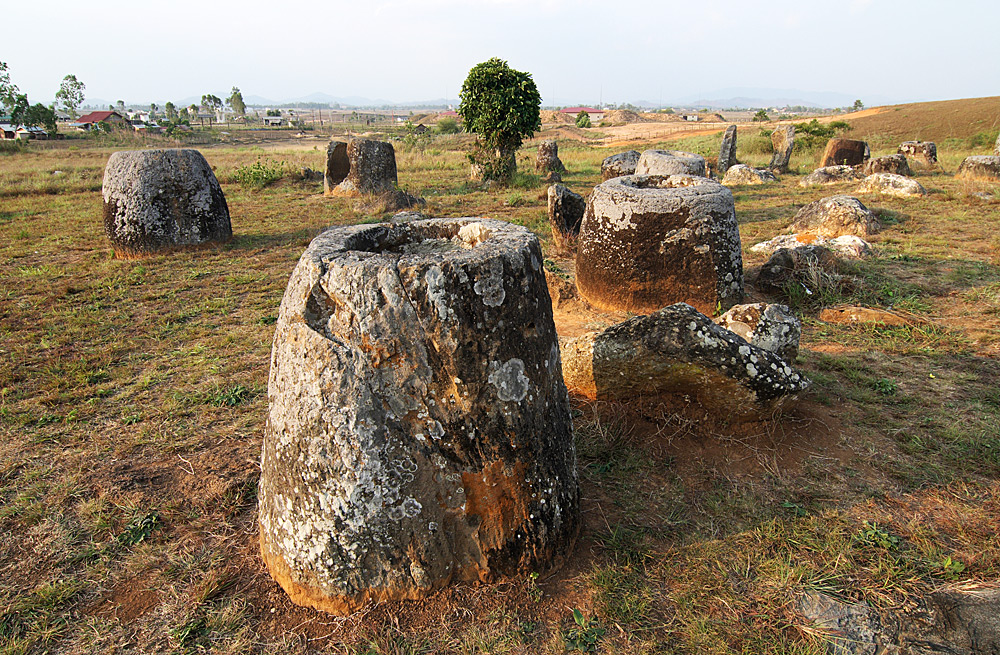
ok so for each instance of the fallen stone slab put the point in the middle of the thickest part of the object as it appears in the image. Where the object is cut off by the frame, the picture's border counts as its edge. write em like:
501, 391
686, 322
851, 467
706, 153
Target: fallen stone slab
156, 200
649, 241
678, 351
980, 167
768, 326
835, 216
844, 152
670, 162
847, 245
831, 175
895, 164
623, 163
922, 154
892, 185
743, 174
418, 430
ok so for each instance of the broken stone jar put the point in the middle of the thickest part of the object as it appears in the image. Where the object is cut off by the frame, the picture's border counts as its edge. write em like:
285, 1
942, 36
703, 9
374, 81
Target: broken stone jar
419, 430
651, 241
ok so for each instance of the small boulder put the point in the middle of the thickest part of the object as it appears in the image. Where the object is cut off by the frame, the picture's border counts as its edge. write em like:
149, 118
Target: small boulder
552, 177
849, 628
783, 142
547, 158
743, 174
895, 164
407, 216
847, 245
727, 153
771, 327
835, 216
679, 352
922, 154
623, 163
892, 185
830, 175
852, 314
565, 215
162, 199
789, 265
844, 152
980, 167
670, 162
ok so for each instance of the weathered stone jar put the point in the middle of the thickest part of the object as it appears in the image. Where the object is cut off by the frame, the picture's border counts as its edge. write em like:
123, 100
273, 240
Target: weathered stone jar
419, 429
650, 241
158, 200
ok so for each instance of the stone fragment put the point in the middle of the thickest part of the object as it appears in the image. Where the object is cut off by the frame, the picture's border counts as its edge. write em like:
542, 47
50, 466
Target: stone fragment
547, 158
852, 314
847, 245
651, 241
743, 174
844, 152
338, 166
419, 431
953, 620
782, 142
831, 175
552, 177
980, 167
895, 164
565, 215
800, 265
922, 154
372, 168
727, 153
835, 216
407, 216
162, 199
677, 351
891, 185
768, 326
850, 628
623, 163
670, 162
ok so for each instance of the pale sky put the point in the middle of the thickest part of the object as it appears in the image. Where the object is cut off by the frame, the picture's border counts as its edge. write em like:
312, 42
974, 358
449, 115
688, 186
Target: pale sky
578, 51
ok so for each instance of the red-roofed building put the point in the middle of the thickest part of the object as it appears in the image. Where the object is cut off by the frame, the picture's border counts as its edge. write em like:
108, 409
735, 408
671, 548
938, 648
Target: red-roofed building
595, 114
92, 119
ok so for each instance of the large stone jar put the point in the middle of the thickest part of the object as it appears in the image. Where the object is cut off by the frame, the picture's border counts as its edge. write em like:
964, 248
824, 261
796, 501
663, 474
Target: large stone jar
158, 200
650, 241
419, 429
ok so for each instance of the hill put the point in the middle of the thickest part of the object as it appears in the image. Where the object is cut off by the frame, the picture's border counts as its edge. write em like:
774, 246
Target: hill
931, 121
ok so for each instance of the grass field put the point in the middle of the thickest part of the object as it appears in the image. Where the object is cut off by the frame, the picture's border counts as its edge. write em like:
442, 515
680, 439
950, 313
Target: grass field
133, 399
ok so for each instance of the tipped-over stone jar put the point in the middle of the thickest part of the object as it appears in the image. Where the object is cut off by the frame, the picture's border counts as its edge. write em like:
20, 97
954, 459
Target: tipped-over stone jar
649, 241
419, 430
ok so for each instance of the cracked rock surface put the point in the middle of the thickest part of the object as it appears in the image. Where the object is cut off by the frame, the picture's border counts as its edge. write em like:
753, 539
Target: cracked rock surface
670, 162
680, 351
623, 163
418, 429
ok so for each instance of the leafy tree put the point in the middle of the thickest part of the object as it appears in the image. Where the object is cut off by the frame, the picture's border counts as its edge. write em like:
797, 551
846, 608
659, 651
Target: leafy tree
235, 100
40, 115
447, 125
120, 106
760, 116
70, 94
8, 91
152, 110
502, 106
210, 102
17, 106
277, 112
583, 119
858, 105
184, 114
170, 111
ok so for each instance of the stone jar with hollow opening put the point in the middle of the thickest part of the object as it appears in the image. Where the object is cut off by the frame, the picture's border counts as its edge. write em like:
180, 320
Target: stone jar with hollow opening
650, 241
419, 430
